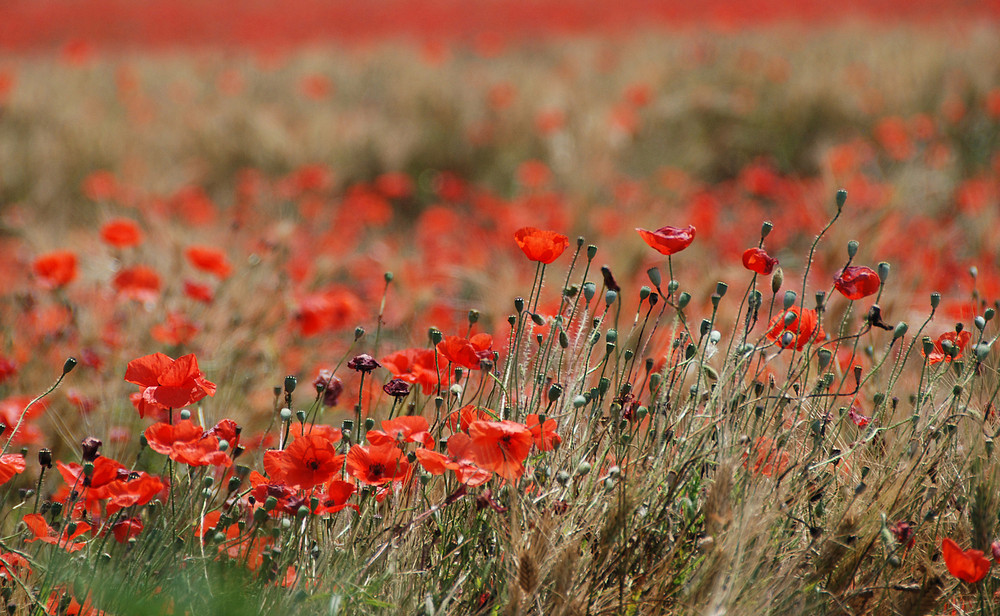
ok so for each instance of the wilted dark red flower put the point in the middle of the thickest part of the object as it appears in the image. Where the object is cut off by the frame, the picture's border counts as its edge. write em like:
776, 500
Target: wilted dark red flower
902, 531
668, 240
90, 445
805, 328
857, 281
969, 566
757, 260
542, 246
856, 415
363, 363
330, 386
397, 388
55, 269
168, 383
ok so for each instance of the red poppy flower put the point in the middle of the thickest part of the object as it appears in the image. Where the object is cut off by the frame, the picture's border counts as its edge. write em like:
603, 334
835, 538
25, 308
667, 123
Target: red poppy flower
418, 366
757, 260
46, 534
334, 497
186, 443
288, 499
208, 259
198, 292
957, 339
805, 328
857, 281
310, 460
969, 565
10, 561
55, 269
544, 435
105, 471
855, 414
668, 240
127, 528
767, 460
140, 283
501, 447
10, 464
466, 353
542, 246
121, 233
134, 491
459, 459
406, 429
463, 417
377, 465
168, 383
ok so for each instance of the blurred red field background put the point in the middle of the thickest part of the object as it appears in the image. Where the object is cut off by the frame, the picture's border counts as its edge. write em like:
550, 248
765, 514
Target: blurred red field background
38, 25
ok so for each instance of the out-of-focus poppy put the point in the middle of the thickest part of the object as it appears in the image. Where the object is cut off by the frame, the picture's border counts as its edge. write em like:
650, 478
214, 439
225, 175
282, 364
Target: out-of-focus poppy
969, 566
377, 465
857, 281
121, 233
208, 259
198, 292
668, 240
176, 330
767, 460
310, 460
501, 446
542, 246
169, 383
757, 260
804, 328
55, 269
140, 283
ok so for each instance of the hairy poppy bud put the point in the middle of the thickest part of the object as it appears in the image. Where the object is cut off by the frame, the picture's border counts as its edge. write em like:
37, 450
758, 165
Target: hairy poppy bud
776, 279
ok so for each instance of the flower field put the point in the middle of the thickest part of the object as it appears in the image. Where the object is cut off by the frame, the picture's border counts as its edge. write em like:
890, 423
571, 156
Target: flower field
548, 314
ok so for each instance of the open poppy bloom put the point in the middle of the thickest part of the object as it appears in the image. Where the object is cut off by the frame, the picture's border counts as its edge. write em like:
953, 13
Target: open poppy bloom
132, 491
46, 534
126, 529
377, 465
969, 566
463, 417
460, 459
544, 434
757, 260
501, 447
121, 233
187, 443
406, 429
466, 353
805, 328
10, 464
418, 366
208, 259
168, 383
856, 282
668, 240
334, 497
55, 269
310, 460
542, 246
954, 339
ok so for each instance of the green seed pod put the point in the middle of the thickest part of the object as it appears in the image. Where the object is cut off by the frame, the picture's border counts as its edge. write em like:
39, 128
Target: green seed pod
185, 414
721, 288
852, 249
935, 300
789, 299
928, 345
683, 300
765, 229
883, 271
841, 199
900, 330
644, 292
654, 276
591, 252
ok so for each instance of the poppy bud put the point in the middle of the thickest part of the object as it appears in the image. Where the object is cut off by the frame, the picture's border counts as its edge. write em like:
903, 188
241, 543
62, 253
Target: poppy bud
90, 446
610, 297
290, 383
765, 229
45, 458
286, 414
388, 277
777, 278
982, 350
270, 503
473, 316
672, 286
980, 323
68, 365
538, 319
852, 249
208, 481
789, 300
841, 199
301, 512
644, 292
654, 276
579, 402
900, 330
883, 271
563, 340
612, 335
583, 468
260, 515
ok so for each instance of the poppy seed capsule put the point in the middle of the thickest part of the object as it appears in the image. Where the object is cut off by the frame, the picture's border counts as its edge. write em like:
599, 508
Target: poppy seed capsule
610, 297
68, 365
852, 249
286, 414
589, 290
683, 300
788, 301
644, 292
290, 383
359, 332
45, 458
928, 345
883, 271
185, 414
519, 304
721, 288
900, 330
841, 199
935, 300
765, 229
591, 252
